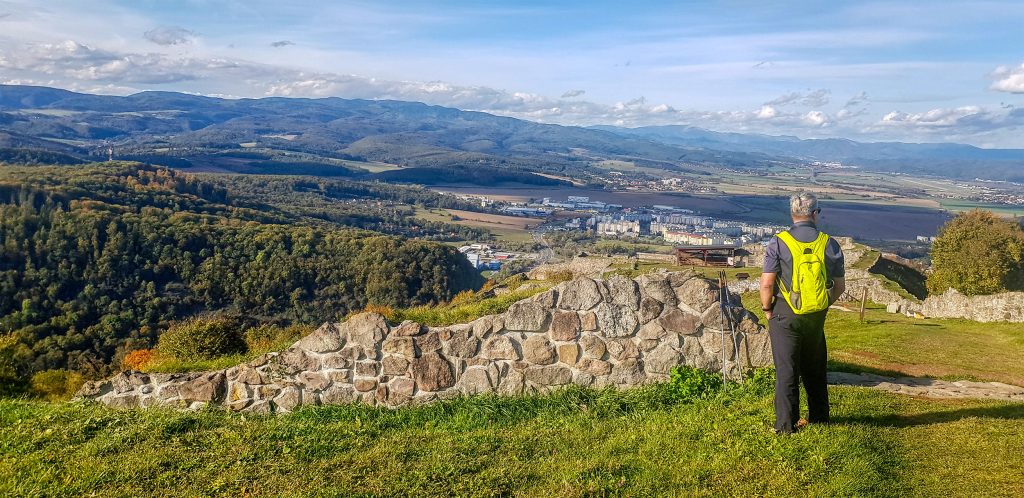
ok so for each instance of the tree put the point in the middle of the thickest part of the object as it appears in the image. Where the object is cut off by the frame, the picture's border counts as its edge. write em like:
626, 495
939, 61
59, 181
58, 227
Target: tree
978, 253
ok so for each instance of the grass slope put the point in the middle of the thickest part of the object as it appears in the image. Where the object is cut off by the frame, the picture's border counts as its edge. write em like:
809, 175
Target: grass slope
572, 443
894, 344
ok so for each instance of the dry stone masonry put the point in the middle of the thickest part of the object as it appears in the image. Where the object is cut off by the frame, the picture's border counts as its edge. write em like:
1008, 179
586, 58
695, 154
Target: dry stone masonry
618, 332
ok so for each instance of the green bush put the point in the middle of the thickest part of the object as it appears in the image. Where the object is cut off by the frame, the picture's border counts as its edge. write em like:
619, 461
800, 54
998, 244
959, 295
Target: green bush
688, 383
202, 338
56, 385
11, 383
978, 253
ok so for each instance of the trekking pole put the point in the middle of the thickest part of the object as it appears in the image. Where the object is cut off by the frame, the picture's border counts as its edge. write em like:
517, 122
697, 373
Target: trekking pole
727, 307
721, 308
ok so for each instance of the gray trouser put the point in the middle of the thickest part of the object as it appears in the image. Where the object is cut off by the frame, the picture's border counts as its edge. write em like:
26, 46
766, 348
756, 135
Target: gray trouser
799, 351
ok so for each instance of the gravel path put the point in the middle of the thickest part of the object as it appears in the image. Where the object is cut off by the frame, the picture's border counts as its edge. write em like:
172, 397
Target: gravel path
930, 388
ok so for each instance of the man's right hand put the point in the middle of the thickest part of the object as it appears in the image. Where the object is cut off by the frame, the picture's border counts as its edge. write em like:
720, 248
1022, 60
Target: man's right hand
767, 315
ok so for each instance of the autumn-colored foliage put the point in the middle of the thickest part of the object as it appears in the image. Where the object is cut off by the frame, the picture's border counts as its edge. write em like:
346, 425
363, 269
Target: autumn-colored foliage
138, 359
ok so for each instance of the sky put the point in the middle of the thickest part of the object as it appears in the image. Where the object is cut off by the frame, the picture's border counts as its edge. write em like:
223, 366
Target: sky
929, 71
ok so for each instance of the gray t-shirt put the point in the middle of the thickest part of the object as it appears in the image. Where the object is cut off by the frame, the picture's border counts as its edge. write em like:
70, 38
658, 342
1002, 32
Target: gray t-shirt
778, 260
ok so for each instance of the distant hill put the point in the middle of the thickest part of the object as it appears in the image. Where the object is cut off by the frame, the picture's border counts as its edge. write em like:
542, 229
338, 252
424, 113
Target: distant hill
951, 160
339, 137
408, 134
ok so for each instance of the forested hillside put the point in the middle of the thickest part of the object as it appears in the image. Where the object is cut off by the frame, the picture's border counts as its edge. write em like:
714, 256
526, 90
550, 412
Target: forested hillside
97, 260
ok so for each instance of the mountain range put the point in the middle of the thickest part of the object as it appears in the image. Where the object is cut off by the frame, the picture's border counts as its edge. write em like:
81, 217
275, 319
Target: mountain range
342, 137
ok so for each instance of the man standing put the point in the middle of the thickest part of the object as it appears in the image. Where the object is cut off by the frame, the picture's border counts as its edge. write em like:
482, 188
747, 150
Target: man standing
803, 275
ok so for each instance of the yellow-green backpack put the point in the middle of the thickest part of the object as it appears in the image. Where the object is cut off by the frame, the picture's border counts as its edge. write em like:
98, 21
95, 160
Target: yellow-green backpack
810, 290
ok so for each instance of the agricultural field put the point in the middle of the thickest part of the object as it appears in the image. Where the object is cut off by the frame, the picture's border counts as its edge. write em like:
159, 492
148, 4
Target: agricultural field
506, 228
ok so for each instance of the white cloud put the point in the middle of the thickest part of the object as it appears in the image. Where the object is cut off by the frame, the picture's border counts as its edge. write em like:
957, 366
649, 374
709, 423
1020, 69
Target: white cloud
767, 112
816, 118
816, 98
1008, 79
169, 35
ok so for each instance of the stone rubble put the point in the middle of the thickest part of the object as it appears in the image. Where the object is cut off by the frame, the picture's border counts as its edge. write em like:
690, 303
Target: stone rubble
930, 388
618, 332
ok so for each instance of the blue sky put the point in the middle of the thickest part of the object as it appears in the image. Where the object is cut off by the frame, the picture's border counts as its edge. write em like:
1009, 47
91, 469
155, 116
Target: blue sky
910, 71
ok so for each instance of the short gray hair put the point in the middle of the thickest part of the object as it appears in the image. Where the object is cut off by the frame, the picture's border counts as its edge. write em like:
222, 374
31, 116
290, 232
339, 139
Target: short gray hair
802, 204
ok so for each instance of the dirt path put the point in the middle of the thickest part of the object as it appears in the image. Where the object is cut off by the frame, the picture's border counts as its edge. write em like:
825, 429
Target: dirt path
930, 388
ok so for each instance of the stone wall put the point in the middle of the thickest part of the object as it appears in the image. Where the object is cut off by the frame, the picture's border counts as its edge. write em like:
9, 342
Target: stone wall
1003, 307
617, 332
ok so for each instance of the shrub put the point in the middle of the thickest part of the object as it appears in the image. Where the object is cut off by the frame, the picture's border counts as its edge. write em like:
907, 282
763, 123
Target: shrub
268, 337
201, 338
138, 359
387, 311
978, 253
688, 383
10, 382
464, 297
56, 385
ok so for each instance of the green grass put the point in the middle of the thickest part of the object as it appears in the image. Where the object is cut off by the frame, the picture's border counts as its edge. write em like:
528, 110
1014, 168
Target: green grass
451, 314
574, 442
897, 345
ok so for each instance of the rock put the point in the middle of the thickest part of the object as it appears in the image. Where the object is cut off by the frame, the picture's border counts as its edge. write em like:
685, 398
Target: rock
475, 380
526, 317
646, 345
662, 359
325, 339
595, 367
579, 294
402, 386
246, 374
628, 372
399, 346
695, 295
565, 326
122, 401
546, 299
549, 375
365, 385
483, 327
569, 353
657, 287
691, 349
652, 331
680, 322
340, 376
583, 379
367, 368
95, 389
588, 321
463, 344
538, 350
500, 347
294, 360
394, 365
427, 343
623, 291
337, 361
351, 353
313, 381
408, 328
593, 346
616, 321
289, 399
432, 372
239, 396
338, 394
650, 308
367, 330
621, 349
512, 383
209, 387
